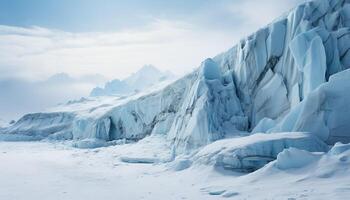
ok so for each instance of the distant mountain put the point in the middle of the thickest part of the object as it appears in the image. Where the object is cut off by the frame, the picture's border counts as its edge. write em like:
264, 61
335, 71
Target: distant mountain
146, 77
59, 78
64, 78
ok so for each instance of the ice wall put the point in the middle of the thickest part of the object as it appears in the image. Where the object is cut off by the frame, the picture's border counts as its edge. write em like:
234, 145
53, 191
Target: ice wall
325, 112
277, 67
194, 111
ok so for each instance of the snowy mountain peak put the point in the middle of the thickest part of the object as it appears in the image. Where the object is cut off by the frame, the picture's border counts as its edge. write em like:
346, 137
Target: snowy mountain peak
60, 78
148, 69
144, 78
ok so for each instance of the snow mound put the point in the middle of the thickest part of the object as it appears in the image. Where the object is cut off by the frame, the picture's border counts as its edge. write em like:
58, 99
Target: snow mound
180, 164
339, 148
89, 143
295, 158
311, 165
152, 149
253, 152
141, 160
296, 174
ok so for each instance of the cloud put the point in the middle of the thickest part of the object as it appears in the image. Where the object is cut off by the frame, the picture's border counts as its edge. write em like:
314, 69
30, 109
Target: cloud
176, 43
39, 52
18, 96
240, 18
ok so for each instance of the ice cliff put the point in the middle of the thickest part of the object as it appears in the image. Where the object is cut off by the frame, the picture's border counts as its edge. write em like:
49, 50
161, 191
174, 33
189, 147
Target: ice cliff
290, 76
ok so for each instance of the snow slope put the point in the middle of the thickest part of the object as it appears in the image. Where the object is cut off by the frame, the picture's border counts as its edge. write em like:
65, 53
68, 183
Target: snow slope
296, 174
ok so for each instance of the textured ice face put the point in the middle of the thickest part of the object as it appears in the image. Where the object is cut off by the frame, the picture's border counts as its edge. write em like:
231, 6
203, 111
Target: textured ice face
325, 112
309, 49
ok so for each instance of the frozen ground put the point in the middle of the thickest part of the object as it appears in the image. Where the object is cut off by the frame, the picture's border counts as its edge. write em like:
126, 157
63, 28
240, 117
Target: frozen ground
35, 170
39, 170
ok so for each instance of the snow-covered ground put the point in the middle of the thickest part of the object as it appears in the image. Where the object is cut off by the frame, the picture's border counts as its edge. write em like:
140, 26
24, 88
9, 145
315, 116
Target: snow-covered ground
39, 170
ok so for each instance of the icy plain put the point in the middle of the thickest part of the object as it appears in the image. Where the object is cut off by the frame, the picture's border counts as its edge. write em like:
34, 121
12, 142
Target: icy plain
39, 170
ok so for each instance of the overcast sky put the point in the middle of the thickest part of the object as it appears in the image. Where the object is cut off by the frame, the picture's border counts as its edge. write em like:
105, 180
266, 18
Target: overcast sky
113, 38
39, 38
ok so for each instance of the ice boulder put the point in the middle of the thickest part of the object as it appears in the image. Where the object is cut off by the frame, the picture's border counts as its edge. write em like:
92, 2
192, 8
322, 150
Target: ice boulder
253, 152
295, 158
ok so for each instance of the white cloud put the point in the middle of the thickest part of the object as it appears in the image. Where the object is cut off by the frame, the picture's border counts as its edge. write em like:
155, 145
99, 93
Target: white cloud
179, 46
38, 52
259, 13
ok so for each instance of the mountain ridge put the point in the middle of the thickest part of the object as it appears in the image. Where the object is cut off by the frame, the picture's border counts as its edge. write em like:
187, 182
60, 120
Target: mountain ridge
144, 78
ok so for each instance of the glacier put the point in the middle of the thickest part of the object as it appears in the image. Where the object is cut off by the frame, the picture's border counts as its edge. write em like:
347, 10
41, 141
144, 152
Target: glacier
288, 78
